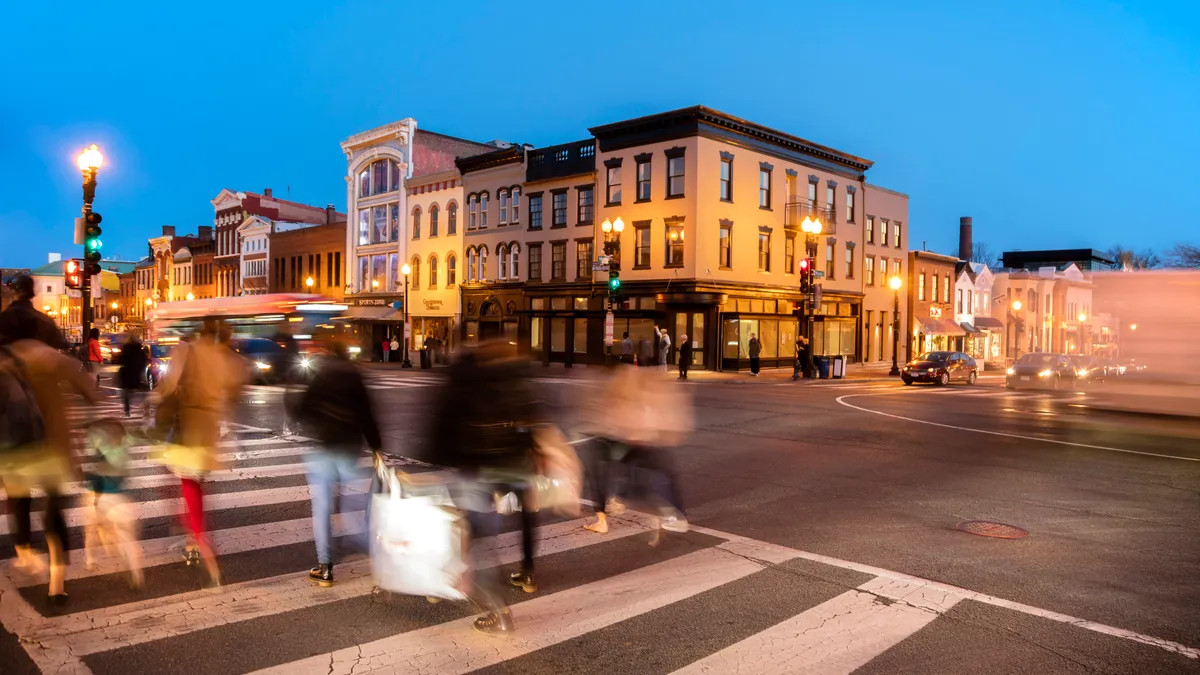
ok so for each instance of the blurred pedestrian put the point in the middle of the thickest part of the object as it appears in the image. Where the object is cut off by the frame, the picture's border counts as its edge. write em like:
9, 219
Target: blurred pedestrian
755, 349
664, 350
645, 354
132, 372
386, 348
111, 523
685, 356
199, 390
481, 427
22, 321
336, 411
626, 348
38, 450
95, 359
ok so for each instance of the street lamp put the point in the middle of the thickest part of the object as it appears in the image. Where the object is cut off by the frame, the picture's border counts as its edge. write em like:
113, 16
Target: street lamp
89, 162
406, 270
1012, 346
190, 297
612, 248
812, 229
894, 283
115, 304
309, 282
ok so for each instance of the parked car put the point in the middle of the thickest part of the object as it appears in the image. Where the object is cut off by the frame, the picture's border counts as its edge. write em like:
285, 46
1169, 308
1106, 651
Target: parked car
1041, 371
941, 368
1088, 369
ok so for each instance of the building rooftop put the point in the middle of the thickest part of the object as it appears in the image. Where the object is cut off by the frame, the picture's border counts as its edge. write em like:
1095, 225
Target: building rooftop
1060, 259
56, 268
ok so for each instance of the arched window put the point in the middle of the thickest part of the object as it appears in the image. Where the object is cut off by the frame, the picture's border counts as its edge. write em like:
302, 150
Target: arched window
515, 211
394, 167
483, 200
472, 264
433, 220
482, 263
379, 176
514, 254
502, 260
416, 223
502, 198
364, 182
416, 273
451, 270
452, 218
472, 212
433, 272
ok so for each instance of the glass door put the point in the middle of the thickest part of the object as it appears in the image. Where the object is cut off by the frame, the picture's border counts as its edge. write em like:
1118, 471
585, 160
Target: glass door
692, 325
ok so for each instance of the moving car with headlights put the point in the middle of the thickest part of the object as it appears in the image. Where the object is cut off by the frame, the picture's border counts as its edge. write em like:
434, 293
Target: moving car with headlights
940, 368
267, 360
1041, 371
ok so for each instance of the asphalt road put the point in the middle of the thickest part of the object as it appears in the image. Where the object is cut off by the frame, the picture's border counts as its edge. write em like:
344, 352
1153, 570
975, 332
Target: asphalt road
824, 540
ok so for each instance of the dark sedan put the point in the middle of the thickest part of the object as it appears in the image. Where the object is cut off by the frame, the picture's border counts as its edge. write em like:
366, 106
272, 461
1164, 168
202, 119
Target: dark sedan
1041, 371
940, 368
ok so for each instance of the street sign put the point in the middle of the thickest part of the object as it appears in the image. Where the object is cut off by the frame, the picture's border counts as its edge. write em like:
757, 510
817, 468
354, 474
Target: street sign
608, 329
599, 267
820, 274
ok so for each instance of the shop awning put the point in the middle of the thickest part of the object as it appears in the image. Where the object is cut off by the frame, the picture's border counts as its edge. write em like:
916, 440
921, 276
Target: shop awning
384, 314
988, 323
931, 326
971, 330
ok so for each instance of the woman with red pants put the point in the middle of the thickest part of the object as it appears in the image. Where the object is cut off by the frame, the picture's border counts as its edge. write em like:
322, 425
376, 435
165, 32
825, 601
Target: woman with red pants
200, 387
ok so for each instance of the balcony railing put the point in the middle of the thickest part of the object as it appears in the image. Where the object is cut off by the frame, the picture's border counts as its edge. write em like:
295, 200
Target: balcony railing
794, 214
559, 161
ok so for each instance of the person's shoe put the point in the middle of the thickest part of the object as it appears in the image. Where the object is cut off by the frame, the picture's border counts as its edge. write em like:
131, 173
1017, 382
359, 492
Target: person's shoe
322, 574
28, 561
522, 581
674, 524
495, 624
600, 526
191, 556
614, 507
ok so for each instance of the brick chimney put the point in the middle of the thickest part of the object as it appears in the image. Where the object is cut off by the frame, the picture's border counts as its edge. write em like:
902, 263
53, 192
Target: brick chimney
964, 238
168, 231
330, 214
266, 192
205, 232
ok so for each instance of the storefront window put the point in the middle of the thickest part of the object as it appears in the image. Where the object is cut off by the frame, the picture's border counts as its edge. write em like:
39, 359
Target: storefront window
769, 338
378, 273
581, 304
732, 330
581, 325
535, 333
364, 227
558, 335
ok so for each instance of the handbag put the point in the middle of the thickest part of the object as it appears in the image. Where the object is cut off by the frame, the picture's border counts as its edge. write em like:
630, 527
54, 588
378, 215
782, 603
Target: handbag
558, 483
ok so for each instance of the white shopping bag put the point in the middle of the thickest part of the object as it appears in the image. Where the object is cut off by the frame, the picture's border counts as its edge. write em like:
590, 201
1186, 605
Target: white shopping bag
417, 545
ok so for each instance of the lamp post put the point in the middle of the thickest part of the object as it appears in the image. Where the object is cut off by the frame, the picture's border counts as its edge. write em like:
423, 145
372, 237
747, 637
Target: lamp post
812, 230
406, 270
612, 248
894, 283
1013, 347
89, 162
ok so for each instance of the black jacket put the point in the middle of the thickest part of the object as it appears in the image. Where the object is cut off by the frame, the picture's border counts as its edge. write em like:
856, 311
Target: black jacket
21, 321
133, 364
336, 408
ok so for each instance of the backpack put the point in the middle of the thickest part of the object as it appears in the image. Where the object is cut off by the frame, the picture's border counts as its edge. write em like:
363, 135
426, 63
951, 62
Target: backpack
21, 422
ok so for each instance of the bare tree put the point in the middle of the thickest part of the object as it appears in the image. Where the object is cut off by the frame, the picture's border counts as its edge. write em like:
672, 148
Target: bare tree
982, 253
1129, 259
1184, 255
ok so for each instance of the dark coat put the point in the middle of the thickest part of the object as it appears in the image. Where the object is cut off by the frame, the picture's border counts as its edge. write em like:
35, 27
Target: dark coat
21, 321
336, 408
685, 353
133, 365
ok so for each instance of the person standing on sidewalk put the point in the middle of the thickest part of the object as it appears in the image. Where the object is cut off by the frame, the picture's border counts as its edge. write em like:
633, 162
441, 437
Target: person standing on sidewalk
755, 349
395, 348
94, 358
626, 349
336, 411
385, 348
685, 356
664, 350
133, 370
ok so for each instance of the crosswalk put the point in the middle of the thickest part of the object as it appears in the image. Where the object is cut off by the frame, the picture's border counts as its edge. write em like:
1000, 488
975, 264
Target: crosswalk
702, 602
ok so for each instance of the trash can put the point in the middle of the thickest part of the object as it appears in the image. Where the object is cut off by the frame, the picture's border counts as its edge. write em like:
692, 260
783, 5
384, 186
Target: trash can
823, 367
425, 364
839, 367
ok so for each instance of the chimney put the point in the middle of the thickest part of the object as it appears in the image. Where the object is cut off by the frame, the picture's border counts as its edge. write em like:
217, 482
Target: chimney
168, 230
267, 192
205, 232
964, 238
330, 214
54, 257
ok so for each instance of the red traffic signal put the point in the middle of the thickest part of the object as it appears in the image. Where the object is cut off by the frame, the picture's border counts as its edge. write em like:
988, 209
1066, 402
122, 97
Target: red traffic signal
73, 274
804, 265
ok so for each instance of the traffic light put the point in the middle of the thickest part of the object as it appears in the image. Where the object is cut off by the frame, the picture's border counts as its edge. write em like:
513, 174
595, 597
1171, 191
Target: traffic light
614, 282
92, 243
73, 274
806, 276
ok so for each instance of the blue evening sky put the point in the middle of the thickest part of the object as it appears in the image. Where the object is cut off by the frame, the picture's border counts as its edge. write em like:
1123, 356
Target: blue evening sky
1054, 124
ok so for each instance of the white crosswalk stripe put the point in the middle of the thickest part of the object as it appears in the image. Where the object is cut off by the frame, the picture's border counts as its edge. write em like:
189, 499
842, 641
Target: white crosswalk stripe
838, 632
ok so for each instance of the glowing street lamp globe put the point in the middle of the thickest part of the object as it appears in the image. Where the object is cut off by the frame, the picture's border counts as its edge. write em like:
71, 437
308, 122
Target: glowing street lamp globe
894, 283
90, 159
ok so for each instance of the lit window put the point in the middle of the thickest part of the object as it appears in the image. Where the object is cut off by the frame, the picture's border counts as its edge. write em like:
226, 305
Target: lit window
764, 188
726, 180
674, 246
725, 255
764, 252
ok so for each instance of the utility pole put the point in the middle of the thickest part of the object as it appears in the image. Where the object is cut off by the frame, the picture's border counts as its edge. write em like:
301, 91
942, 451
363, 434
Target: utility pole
89, 162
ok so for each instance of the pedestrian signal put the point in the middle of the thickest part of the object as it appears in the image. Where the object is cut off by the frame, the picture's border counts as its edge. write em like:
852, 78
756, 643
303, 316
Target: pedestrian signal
73, 274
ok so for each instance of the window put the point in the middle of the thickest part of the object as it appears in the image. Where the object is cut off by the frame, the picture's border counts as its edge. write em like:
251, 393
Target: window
586, 205
337, 269
482, 263
559, 216
764, 251
870, 229
958, 292
483, 210
674, 246
364, 182
395, 169
514, 263
849, 206
583, 259
946, 289
829, 259
726, 179
472, 265
416, 273
764, 188
641, 246
502, 257
416, 223
829, 192
380, 233
849, 263
869, 267
452, 218
364, 227
934, 287
789, 253
725, 250
472, 212
643, 179
614, 184
451, 270
675, 176
379, 177
535, 263
433, 220
502, 197
896, 235
535, 212
558, 260
514, 215
433, 272
883, 233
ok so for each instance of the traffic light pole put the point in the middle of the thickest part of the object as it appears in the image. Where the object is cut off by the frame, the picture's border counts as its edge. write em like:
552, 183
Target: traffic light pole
85, 288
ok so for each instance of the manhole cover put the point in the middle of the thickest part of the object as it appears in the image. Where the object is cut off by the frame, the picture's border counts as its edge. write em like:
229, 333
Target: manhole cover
985, 528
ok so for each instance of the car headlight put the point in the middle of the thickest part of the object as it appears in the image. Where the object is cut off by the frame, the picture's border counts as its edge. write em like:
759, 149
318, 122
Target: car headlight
1046, 373
306, 363
931, 371
162, 368
261, 365
1081, 372
1011, 371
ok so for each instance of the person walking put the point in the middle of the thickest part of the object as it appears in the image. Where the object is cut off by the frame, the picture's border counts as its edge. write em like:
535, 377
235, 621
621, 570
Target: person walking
685, 356
336, 411
95, 360
664, 350
22, 321
201, 386
626, 348
133, 370
755, 349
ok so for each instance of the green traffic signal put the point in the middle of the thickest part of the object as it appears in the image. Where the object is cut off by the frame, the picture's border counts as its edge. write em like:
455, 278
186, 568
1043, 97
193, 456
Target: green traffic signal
614, 284
94, 244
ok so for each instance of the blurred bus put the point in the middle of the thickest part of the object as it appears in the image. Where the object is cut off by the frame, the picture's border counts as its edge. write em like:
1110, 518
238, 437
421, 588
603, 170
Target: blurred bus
1158, 320
306, 318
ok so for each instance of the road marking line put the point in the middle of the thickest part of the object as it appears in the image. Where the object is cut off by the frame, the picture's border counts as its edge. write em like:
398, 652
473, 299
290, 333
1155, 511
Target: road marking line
841, 400
833, 638
237, 456
452, 647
